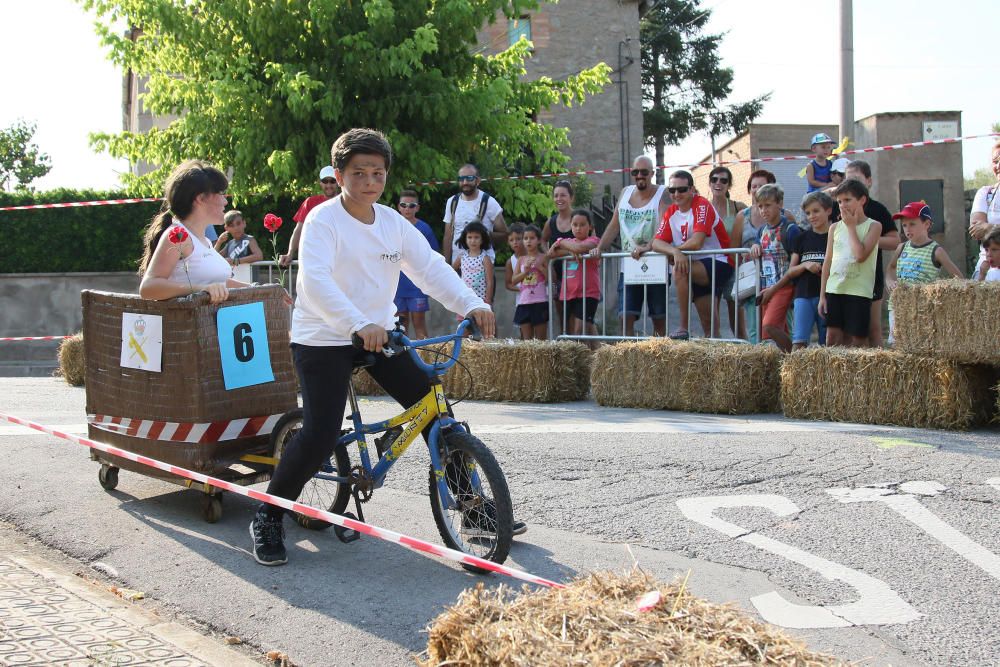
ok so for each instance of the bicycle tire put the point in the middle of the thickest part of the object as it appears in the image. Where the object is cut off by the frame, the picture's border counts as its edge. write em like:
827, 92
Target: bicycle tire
461, 451
332, 496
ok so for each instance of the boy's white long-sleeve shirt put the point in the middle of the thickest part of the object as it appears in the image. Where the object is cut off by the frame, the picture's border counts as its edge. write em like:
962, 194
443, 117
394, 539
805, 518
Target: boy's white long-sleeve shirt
348, 273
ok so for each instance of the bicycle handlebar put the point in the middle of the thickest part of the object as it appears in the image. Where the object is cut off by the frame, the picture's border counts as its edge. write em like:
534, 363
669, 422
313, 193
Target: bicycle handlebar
398, 342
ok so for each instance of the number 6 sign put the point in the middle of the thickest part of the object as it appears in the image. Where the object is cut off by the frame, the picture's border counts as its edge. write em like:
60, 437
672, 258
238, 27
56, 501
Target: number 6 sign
246, 357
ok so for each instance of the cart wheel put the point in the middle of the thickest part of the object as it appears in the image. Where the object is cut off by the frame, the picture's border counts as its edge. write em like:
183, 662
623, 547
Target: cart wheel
211, 507
108, 476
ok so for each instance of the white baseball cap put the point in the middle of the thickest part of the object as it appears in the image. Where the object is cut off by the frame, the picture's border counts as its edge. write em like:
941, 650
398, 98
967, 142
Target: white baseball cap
326, 172
840, 165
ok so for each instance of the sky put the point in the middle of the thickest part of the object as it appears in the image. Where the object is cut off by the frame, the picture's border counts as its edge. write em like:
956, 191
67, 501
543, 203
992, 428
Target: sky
910, 55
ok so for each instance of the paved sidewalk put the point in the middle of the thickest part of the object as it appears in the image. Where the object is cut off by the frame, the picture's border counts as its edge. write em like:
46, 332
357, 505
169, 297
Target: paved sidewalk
50, 616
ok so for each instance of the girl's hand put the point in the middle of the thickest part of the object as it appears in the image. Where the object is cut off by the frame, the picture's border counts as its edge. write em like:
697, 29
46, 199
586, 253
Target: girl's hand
821, 307
217, 292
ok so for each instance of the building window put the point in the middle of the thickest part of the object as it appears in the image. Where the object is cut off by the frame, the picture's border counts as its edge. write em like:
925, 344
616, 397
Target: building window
517, 28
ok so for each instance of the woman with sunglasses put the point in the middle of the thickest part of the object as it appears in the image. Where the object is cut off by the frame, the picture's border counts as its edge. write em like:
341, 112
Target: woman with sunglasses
986, 208
720, 181
559, 226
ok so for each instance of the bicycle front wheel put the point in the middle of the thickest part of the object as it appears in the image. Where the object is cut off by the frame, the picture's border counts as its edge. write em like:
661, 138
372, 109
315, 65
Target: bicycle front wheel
318, 492
481, 521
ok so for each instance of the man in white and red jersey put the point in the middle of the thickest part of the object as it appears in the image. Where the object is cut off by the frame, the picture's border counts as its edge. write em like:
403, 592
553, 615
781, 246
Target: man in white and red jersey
692, 223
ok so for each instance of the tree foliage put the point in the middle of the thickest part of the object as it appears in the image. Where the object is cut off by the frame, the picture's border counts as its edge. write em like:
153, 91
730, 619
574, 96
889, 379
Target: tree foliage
684, 85
265, 87
20, 160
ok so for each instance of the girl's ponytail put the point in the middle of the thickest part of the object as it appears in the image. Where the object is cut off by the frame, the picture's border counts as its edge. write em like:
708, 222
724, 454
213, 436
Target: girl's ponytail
159, 224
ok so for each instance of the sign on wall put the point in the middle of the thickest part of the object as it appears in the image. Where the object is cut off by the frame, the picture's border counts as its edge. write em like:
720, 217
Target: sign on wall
142, 341
942, 129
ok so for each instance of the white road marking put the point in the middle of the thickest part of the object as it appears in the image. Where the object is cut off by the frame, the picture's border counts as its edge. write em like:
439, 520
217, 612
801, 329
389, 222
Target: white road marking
877, 604
994, 482
908, 507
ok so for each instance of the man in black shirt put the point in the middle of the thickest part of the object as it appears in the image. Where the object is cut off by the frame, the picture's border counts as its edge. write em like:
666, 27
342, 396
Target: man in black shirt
860, 170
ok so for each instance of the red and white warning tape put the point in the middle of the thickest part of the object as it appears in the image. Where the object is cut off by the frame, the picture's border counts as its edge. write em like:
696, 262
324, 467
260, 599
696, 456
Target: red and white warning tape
185, 431
81, 204
410, 543
587, 172
13, 338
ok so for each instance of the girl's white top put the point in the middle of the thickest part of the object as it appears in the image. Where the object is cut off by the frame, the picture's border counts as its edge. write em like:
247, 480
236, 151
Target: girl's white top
348, 272
204, 264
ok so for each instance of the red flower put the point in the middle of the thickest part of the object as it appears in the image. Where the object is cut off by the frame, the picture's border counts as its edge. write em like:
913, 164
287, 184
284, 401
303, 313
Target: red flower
177, 235
272, 222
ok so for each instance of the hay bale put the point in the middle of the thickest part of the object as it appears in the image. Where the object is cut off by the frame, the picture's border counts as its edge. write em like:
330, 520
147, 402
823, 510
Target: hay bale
661, 374
885, 387
595, 621
72, 360
950, 319
507, 370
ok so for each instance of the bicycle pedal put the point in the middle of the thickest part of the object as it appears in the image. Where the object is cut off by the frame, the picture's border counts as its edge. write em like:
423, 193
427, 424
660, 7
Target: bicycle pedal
347, 535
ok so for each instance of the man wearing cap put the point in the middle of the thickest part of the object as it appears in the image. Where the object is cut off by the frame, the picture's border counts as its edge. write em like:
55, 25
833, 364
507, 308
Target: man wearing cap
818, 169
330, 190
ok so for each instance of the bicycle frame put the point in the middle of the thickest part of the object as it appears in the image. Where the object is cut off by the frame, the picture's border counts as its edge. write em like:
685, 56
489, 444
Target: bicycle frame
431, 410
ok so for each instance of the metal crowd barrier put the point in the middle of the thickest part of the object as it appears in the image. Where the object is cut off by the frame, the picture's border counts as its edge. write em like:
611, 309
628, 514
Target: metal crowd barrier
615, 258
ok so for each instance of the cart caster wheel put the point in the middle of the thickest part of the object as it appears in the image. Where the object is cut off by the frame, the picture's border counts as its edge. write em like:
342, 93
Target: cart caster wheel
211, 507
108, 477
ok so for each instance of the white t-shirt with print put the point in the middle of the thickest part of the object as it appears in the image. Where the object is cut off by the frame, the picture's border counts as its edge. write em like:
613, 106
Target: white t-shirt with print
467, 211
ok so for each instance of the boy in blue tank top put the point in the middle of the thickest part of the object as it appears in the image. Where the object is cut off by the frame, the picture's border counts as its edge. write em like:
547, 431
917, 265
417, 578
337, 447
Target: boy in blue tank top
818, 170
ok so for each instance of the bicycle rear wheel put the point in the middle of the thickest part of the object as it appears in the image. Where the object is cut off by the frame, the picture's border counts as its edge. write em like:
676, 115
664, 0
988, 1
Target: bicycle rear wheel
481, 522
318, 492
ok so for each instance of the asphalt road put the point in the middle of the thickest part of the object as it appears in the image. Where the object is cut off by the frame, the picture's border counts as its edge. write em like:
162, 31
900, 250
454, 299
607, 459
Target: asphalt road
876, 544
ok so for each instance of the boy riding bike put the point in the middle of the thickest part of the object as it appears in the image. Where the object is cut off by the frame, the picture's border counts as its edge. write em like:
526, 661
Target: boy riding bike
351, 253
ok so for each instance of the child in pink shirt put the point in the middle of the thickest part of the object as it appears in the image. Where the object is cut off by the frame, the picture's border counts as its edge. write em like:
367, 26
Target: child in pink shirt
581, 286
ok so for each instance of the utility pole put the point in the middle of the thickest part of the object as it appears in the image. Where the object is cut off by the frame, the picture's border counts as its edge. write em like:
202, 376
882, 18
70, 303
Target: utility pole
846, 68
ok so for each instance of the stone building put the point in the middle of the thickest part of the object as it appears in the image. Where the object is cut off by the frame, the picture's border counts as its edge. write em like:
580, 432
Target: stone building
606, 131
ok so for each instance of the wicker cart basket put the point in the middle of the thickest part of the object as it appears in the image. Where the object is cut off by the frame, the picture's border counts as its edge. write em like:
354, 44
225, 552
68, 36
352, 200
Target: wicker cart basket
190, 387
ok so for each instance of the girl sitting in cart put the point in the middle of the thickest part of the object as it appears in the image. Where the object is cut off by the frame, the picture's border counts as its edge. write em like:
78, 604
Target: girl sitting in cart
178, 260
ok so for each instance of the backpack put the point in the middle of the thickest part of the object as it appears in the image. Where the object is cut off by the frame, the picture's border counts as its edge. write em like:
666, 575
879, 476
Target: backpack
483, 202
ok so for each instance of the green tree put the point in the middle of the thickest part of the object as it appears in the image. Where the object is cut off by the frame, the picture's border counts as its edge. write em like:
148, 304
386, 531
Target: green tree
684, 86
983, 175
20, 160
263, 88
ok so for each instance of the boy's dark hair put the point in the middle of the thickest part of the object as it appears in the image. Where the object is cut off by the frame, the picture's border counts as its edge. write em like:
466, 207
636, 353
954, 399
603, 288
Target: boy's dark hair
408, 193
517, 228
856, 189
475, 228
992, 236
534, 230
686, 175
582, 212
818, 197
761, 173
360, 141
862, 166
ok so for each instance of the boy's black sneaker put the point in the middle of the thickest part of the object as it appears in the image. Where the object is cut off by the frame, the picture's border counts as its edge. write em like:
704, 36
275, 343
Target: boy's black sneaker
268, 536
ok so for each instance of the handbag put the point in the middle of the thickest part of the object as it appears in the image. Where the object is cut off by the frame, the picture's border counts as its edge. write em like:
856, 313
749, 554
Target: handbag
745, 284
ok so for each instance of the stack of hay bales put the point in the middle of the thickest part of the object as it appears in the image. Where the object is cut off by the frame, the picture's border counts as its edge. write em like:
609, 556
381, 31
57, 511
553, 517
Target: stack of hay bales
595, 621
941, 373
72, 361
508, 370
693, 376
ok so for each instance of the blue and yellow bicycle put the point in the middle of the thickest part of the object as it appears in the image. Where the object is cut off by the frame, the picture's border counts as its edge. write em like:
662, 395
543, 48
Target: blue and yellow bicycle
469, 497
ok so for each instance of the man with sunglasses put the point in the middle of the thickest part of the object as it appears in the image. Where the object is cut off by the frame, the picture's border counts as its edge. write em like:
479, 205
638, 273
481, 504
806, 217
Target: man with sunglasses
330, 190
412, 304
635, 220
692, 223
472, 205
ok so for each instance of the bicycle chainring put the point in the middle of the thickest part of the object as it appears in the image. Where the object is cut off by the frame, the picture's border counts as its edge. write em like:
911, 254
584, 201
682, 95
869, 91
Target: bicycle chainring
362, 482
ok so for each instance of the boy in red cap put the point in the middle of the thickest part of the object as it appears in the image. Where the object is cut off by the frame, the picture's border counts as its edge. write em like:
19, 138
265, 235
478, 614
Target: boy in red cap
919, 259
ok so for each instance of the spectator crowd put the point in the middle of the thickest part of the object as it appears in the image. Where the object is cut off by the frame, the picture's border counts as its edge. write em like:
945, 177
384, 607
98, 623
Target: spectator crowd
825, 280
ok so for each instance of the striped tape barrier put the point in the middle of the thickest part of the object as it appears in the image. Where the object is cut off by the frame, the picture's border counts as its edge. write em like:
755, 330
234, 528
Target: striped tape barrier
198, 433
583, 172
411, 543
14, 338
